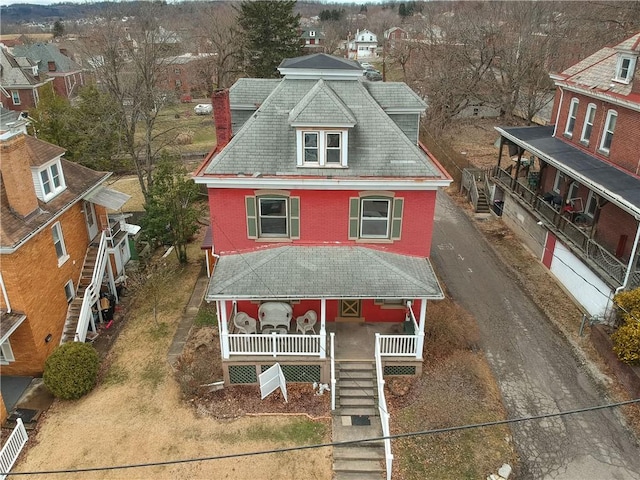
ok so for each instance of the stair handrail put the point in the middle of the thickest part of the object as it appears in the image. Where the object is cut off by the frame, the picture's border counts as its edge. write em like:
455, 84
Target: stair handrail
92, 292
382, 409
333, 371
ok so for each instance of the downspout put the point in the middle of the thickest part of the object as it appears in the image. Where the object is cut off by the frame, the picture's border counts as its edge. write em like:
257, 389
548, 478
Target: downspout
555, 127
4, 294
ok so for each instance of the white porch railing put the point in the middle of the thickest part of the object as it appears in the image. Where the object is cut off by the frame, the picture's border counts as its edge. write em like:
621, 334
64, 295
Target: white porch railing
275, 344
398, 345
333, 372
382, 408
12, 448
92, 292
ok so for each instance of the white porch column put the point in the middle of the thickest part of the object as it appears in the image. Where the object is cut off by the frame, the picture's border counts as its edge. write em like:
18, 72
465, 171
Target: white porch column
323, 331
224, 332
420, 333
112, 281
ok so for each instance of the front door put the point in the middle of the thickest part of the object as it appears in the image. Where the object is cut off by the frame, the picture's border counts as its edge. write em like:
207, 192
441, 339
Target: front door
90, 217
350, 310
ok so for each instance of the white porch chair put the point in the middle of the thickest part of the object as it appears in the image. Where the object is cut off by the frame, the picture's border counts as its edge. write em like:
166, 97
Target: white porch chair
244, 323
307, 322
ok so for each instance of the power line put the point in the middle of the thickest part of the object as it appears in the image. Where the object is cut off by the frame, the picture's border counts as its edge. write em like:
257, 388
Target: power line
333, 444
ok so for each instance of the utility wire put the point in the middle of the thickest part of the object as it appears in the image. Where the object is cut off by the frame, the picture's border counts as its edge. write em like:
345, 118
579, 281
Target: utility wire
334, 444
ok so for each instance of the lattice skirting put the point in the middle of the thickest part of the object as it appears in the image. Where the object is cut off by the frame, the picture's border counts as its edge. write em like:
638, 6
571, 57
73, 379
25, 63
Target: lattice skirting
301, 373
400, 370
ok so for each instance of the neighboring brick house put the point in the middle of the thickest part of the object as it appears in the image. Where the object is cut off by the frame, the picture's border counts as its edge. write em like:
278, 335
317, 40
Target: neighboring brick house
395, 34
59, 250
20, 82
572, 189
68, 76
187, 75
321, 199
312, 40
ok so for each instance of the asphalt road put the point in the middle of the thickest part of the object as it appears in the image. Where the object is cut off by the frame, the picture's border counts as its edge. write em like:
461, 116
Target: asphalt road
534, 366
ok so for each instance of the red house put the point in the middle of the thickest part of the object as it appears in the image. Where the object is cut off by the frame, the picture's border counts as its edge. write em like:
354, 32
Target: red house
572, 189
20, 82
322, 205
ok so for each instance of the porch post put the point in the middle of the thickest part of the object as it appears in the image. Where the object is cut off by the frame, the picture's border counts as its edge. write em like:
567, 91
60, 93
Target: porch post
224, 332
323, 331
632, 258
420, 334
112, 281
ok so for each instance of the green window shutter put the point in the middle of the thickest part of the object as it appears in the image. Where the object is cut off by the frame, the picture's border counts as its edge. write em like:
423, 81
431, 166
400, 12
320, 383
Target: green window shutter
252, 217
396, 219
294, 220
354, 217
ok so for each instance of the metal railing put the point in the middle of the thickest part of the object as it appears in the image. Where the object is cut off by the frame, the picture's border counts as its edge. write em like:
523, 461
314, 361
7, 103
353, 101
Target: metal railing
12, 448
382, 409
333, 371
92, 292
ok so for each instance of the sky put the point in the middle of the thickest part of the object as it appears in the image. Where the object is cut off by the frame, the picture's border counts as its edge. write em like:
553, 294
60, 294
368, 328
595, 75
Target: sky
51, 2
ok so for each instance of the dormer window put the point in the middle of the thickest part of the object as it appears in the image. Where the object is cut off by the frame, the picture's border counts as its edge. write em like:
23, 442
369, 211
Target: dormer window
322, 148
312, 33
50, 181
624, 68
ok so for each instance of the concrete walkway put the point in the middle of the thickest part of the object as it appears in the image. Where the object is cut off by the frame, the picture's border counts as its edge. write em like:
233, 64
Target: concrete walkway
190, 312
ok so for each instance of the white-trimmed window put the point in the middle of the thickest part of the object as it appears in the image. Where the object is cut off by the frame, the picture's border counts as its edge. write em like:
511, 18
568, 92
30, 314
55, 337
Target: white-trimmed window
69, 291
609, 128
312, 33
273, 216
58, 243
375, 217
15, 96
624, 68
592, 204
573, 190
571, 118
51, 180
6, 353
322, 148
587, 127
558, 181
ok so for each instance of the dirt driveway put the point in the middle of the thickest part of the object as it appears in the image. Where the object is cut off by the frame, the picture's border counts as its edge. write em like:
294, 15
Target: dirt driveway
136, 414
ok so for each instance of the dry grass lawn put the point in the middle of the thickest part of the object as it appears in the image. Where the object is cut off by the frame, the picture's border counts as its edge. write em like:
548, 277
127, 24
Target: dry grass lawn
136, 413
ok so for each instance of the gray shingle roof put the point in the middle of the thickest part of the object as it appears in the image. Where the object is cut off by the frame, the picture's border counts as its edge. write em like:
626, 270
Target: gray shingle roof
320, 61
320, 107
11, 74
251, 92
316, 272
43, 53
395, 95
377, 147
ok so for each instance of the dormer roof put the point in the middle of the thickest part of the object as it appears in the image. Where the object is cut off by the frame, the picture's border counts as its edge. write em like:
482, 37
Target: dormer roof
321, 65
321, 107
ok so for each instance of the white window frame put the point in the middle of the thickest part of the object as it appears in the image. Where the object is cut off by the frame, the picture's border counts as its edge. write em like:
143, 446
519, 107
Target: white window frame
628, 73
6, 353
69, 291
571, 117
15, 95
364, 219
58, 239
312, 33
572, 191
259, 216
589, 118
557, 182
587, 208
322, 148
608, 131
48, 179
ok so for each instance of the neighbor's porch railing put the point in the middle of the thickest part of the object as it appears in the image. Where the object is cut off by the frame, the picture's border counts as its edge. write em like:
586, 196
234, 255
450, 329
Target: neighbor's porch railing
402, 345
577, 236
92, 292
12, 448
333, 371
382, 408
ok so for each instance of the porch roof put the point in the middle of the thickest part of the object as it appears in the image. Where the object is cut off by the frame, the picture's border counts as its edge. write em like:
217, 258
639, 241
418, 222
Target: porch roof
9, 321
297, 272
612, 183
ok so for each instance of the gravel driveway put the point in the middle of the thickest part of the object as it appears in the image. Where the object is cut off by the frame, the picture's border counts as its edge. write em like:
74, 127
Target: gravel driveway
535, 367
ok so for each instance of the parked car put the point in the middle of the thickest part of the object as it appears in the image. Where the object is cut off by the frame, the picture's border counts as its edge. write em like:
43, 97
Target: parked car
203, 109
366, 65
373, 76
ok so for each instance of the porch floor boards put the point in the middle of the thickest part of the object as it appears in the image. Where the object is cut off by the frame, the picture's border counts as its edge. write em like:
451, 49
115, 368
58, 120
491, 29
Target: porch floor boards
356, 341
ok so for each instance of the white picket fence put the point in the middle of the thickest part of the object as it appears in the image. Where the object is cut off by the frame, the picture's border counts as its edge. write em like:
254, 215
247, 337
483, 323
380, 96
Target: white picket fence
382, 409
11, 449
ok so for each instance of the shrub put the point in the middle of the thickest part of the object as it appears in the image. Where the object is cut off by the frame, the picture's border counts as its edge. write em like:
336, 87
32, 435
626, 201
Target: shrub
71, 370
628, 304
626, 342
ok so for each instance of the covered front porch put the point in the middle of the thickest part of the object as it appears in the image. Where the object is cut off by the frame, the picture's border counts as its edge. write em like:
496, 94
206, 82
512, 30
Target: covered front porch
352, 292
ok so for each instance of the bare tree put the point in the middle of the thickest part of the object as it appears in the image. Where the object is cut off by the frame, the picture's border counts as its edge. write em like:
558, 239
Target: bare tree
130, 58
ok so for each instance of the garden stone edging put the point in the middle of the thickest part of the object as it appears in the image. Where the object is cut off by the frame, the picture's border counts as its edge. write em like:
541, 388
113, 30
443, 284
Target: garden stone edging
629, 375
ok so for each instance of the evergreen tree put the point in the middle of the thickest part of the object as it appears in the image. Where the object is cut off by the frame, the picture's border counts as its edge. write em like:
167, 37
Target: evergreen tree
271, 34
58, 29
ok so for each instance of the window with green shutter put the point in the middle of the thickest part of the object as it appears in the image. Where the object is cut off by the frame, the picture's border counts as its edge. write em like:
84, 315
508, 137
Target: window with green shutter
375, 217
294, 217
354, 217
252, 221
396, 219
273, 216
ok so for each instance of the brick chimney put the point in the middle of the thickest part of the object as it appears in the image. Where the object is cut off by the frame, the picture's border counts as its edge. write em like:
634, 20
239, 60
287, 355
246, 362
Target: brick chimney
16, 176
222, 117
